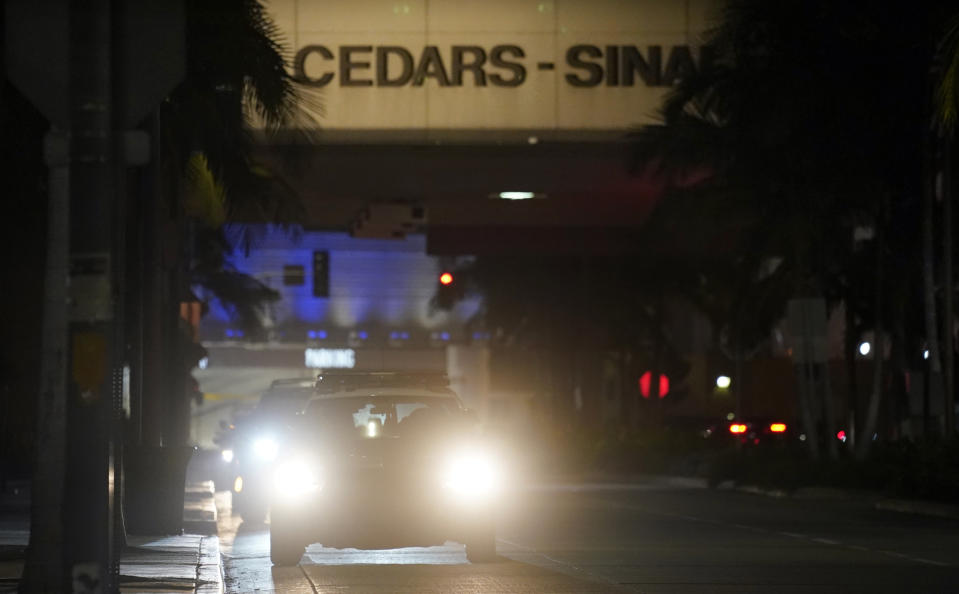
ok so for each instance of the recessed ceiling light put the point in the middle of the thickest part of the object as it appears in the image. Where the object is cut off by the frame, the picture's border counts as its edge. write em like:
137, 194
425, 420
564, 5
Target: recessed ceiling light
515, 195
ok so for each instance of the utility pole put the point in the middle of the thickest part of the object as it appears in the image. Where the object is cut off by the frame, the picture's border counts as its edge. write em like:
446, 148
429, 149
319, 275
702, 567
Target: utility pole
948, 338
43, 569
92, 68
87, 517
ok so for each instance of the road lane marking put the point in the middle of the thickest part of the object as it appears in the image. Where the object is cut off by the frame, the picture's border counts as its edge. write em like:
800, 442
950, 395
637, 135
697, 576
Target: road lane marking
791, 534
808, 538
308, 580
562, 563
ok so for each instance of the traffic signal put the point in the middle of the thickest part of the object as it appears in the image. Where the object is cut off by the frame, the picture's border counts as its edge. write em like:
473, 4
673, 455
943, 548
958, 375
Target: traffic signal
645, 385
449, 290
321, 274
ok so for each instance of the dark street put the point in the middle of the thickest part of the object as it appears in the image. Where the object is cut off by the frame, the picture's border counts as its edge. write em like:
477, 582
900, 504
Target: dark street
641, 537
436, 296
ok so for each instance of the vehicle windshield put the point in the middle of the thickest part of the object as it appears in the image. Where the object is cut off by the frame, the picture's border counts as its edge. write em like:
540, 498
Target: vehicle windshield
283, 402
371, 417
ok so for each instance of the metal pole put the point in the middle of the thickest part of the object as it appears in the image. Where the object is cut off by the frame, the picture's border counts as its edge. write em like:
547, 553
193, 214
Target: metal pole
43, 571
948, 334
87, 518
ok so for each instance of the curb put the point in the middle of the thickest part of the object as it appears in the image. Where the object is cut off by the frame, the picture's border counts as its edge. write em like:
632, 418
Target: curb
874, 500
925, 508
200, 517
209, 572
199, 509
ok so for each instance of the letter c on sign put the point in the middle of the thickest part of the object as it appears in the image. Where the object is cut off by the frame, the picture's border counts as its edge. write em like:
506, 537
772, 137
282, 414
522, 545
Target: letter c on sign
299, 65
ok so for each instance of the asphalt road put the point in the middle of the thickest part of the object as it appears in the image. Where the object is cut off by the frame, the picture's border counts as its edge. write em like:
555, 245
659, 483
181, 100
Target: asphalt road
645, 537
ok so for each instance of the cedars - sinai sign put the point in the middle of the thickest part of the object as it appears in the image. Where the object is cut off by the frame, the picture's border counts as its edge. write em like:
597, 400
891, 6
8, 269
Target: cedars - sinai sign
581, 69
498, 66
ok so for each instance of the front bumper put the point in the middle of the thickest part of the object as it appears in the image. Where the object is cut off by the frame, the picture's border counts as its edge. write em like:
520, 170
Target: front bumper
386, 517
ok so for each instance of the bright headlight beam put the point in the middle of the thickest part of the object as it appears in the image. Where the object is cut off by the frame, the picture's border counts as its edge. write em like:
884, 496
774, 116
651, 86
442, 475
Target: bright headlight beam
266, 448
227, 456
294, 478
472, 476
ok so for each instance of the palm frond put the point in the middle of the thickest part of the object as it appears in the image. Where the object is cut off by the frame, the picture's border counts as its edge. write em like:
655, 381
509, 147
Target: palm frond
947, 88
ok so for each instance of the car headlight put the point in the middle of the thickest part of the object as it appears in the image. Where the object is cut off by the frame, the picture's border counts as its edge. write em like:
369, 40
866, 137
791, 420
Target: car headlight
227, 456
472, 475
266, 449
294, 478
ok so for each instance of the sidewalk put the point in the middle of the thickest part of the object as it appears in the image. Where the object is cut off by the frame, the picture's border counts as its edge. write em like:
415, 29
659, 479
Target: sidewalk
188, 562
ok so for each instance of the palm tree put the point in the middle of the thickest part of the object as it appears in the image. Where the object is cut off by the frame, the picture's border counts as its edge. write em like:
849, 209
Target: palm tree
946, 110
947, 84
804, 126
236, 81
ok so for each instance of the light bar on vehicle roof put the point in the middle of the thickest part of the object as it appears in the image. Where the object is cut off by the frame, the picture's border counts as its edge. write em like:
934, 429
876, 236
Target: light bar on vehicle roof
352, 380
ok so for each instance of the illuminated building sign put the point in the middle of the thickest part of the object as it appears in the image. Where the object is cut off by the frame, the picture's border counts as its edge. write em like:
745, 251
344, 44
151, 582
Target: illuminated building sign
493, 66
585, 65
330, 358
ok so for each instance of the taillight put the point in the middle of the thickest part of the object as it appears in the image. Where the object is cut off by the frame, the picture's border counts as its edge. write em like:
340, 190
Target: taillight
778, 427
737, 428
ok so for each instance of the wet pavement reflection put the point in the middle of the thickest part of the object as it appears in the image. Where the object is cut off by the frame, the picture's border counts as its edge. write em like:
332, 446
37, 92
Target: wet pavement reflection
245, 548
649, 537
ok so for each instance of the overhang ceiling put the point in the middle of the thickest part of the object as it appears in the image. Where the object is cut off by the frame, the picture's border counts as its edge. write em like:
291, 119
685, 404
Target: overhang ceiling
592, 202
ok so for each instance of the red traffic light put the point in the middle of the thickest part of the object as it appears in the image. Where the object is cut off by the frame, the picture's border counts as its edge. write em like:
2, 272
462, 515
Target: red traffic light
446, 279
645, 385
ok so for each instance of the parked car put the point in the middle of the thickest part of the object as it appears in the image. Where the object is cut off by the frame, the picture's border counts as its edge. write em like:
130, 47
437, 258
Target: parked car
255, 444
751, 431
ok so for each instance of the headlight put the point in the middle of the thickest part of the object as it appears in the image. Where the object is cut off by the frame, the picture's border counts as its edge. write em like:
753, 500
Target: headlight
227, 456
266, 448
472, 475
294, 478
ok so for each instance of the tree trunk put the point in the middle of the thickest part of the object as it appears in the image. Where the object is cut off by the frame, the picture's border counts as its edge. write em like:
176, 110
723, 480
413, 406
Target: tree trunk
852, 391
806, 409
929, 275
829, 416
872, 411
947, 284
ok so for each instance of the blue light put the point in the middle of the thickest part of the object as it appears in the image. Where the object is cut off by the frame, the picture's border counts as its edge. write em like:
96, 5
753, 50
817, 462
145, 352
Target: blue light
405, 335
372, 282
394, 335
445, 336
229, 333
363, 335
312, 334
321, 334
481, 336
239, 333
